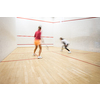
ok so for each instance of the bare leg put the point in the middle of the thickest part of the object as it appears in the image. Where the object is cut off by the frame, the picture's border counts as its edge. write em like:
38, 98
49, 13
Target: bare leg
40, 47
35, 48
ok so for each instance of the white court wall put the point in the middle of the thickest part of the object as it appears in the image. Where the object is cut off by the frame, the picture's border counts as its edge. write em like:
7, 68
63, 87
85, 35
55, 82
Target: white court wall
7, 36
29, 27
82, 34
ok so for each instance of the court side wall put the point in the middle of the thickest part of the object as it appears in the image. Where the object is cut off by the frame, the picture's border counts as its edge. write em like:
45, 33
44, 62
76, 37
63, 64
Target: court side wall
7, 36
82, 34
26, 28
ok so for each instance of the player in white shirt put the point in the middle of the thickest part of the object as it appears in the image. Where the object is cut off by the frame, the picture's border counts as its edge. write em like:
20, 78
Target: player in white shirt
65, 44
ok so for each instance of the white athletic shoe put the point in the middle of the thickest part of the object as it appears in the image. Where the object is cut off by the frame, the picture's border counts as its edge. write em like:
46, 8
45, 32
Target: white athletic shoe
39, 57
69, 52
34, 54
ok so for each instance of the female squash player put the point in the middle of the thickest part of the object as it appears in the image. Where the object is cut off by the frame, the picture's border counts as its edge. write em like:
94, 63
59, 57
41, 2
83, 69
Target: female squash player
37, 42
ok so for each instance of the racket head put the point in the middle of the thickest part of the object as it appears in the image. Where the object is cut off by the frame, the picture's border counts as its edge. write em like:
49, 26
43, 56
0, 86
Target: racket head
47, 47
42, 40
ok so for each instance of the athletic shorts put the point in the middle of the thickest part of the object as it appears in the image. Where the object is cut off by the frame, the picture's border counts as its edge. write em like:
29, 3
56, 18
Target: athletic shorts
37, 42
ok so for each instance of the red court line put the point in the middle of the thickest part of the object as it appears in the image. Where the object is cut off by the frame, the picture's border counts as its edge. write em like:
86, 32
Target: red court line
33, 44
75, 19
47, 36
76, 59
79, 19
24, 36
84, 53
57, 21
19, 60
33, 36
35, 20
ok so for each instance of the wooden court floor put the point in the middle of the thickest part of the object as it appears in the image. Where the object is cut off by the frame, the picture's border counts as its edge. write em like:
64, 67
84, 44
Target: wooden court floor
56, 67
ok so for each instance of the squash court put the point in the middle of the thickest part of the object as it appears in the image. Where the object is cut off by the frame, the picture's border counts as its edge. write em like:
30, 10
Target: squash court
19, 66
